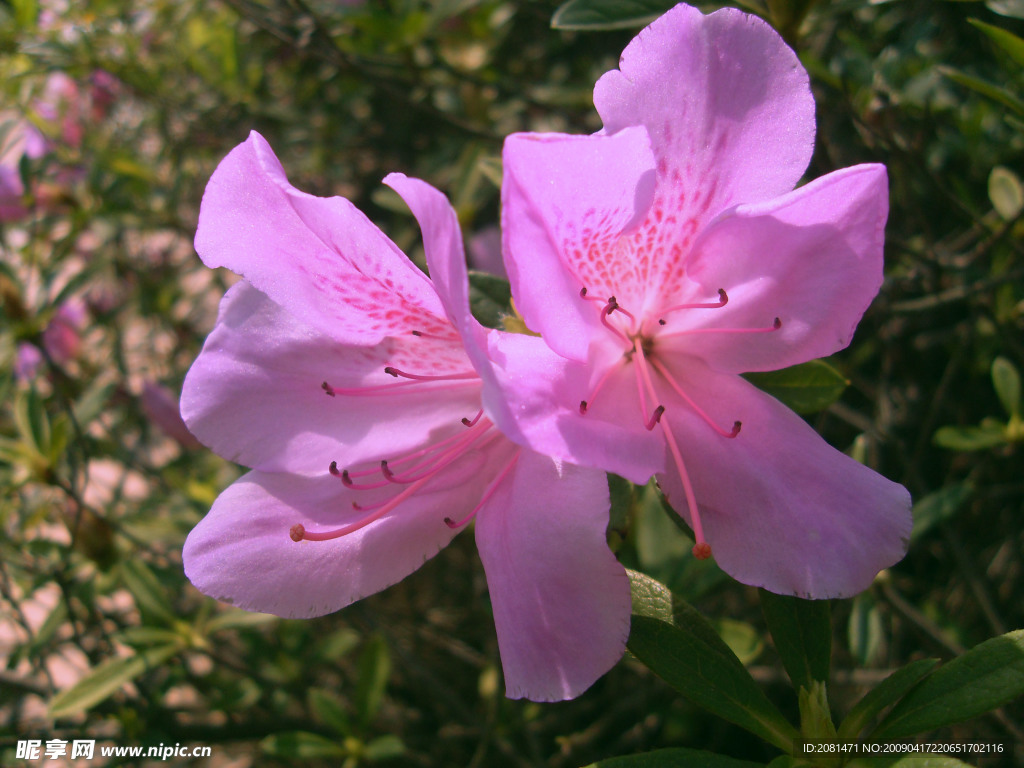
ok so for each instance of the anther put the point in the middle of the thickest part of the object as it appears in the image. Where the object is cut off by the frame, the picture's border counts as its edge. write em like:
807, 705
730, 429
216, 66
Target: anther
333, 469
736, 427
327, 388
386, 470
655, 417
470, 422
297, 532
391, 371
702, 551
583, 407
776, 324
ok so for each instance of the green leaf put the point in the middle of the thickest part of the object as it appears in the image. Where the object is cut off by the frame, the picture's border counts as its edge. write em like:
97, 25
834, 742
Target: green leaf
864, 630
384, 748
689, 655
149, 595
32, 421
985, 677
802, 631
806, 388
674, 758
970, 438
301, 745
886, 693
742, 638
106, 679
490, 298
374, 669
1006, 381
908, 761
985, 88
329, 710
1005, 192
1005, 39
938, 506
608, 14
236, 618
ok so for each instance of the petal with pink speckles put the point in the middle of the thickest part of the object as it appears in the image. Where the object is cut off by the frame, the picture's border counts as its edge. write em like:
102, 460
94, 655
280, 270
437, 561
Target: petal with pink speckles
812, 258
320, 258
254, 394
730, 114
566, 200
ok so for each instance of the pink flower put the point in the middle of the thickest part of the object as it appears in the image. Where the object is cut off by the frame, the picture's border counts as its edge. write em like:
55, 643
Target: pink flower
667, 254
62, 336
337, 372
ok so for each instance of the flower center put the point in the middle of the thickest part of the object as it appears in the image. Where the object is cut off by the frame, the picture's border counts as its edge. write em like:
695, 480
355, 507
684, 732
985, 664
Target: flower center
640, 340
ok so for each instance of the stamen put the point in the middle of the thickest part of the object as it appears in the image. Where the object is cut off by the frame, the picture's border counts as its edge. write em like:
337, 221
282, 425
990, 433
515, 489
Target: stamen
689, 401
369, 391
474, 420
299, 533
723, 299
392, 371
585, 404
487, 495
434, 464
610, 307
614, 306
439, 337
701, 550
585, 295
643, 376
346, 479
407, 457
776, 324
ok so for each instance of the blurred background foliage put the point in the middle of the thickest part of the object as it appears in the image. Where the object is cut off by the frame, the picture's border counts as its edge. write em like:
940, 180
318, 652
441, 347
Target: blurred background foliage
114, 113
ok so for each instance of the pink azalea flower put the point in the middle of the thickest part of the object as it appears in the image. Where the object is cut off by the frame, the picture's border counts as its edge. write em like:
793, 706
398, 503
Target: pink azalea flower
337, 372
669, 253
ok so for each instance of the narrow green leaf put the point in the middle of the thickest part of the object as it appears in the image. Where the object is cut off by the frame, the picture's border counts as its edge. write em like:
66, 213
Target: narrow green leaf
985, 88
608, 14
886, 693
864, 630
329, 710
374, 669
236, 618
301, 745
908, 761
149, 595
106, 679
1006, 381
938, 506
32, 421
743, 638
806, 388
1005, 39
689, 655
987, 676
802, 631
384, 748
674, 758
969, 438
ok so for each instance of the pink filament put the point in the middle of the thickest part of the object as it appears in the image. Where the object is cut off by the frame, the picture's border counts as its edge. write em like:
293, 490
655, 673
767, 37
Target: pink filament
643, 376
776, 324
723, 299
374, 390
487, 495
585, 404
689, 401
392, 371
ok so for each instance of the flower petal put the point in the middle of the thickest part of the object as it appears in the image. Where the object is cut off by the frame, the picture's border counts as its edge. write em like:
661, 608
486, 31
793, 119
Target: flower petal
726, 102
565, 202
533, 396
561, 599
812, 258
320, 258
254, 394
241, 552
780, 507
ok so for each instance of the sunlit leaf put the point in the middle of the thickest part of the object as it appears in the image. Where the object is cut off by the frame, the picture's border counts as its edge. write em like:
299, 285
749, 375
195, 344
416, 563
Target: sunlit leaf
985, 677
806, 388
106, 679
970, 438
608, 14
1006, 381
1006, 192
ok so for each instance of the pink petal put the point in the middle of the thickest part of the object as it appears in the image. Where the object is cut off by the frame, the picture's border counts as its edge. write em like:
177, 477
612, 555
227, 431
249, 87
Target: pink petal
320, 258
241, 552
561, 599
254, 394
565, 202
533, 395
729, 111
812, 258
781, 508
